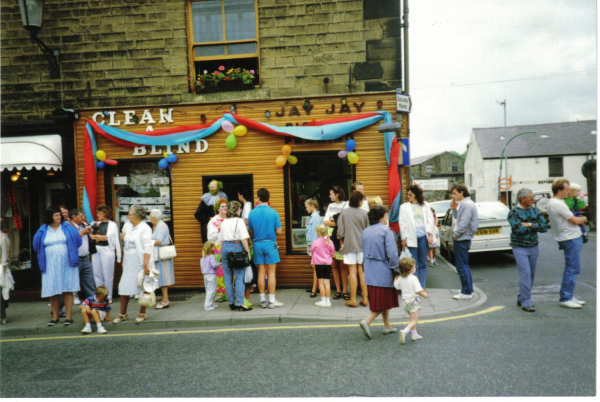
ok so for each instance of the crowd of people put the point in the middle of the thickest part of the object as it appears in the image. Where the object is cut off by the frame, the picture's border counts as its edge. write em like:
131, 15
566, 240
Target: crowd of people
352, 242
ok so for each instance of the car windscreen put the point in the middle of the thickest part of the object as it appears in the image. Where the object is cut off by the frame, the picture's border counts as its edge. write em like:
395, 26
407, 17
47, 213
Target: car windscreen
441, 207
492, 211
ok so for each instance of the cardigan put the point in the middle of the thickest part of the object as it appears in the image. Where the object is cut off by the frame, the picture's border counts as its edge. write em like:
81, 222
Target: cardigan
408, 230
114, 242
351, 223
380, 252
73, 244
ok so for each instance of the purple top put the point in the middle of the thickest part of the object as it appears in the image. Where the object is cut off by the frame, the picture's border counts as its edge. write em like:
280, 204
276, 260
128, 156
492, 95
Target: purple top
209, 265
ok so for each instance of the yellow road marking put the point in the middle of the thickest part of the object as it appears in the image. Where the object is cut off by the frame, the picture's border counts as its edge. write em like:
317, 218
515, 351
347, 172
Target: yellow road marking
208, 331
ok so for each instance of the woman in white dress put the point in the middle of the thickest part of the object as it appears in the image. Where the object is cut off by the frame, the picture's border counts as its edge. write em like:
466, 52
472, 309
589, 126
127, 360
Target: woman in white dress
139, 256
107, 244
161, 237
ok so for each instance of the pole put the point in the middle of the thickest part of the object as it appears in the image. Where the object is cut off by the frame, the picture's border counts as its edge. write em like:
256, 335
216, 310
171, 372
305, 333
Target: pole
502, 155
503, 103
405, 42
506, 157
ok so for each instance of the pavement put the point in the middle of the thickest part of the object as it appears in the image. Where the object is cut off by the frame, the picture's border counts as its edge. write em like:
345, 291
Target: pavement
31, 318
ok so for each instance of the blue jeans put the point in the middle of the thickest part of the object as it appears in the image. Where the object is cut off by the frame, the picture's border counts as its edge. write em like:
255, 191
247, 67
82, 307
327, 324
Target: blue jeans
526, 260
419, 254
226, 248
461, 251
572, 249
86, 278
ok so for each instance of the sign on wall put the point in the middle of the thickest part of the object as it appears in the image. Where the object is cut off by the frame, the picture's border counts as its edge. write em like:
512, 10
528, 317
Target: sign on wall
432, 184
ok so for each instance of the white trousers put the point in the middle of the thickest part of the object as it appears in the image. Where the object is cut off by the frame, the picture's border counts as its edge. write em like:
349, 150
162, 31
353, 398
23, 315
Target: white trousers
104, 268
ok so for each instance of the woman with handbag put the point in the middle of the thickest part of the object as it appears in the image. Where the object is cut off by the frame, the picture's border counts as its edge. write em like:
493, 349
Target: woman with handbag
337, 195
139, 256
162, 237
234, 243
213, 230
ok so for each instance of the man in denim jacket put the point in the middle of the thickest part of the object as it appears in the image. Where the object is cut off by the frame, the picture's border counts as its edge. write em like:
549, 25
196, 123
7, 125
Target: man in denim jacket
525, 222
467, 221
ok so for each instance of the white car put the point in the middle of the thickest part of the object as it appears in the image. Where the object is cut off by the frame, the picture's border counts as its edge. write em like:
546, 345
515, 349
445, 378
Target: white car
493, 233
440, 208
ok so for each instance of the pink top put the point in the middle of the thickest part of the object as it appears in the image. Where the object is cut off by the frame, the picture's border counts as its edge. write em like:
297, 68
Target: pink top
321, 252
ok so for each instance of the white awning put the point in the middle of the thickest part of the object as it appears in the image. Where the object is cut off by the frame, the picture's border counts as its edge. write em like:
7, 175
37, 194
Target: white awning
36, 151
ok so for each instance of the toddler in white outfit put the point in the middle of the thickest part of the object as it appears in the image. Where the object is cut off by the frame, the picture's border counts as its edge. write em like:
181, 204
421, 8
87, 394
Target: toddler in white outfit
411, 287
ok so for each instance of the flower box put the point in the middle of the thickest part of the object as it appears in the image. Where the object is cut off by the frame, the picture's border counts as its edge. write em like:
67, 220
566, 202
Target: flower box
234, 79
225, 86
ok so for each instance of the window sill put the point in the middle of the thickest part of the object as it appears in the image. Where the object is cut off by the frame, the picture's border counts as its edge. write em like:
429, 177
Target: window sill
260, 93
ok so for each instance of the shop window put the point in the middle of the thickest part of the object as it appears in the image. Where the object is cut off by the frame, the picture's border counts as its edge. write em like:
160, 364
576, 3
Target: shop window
232, 184
224, 33
555, 166
141, 183
454, 166
429, 169
312, 177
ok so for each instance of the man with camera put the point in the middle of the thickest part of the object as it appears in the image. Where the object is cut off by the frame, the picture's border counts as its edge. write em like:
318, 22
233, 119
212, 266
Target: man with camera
526, 221
86, 271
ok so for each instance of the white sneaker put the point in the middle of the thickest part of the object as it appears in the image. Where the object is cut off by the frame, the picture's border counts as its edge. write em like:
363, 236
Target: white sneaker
460, 296
322, 303
570, 304
328, 303
402, 337
76, 300
211, 308
580, 302
276, 304
101, 330
87, 329
431, 263
415, 337
434, 262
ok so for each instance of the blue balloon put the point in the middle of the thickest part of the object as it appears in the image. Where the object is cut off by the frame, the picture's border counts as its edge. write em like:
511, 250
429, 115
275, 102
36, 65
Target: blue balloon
172, 158
350, 145
163, 164
100, 165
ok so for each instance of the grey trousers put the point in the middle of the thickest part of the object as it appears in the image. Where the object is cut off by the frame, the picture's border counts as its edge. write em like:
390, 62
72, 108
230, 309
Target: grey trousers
86, 278
526, 260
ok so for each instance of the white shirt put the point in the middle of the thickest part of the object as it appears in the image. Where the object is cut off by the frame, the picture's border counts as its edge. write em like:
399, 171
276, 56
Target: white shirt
84, 249
560, 227
409, 286
334, 208
233, 229
365, 205
246, 210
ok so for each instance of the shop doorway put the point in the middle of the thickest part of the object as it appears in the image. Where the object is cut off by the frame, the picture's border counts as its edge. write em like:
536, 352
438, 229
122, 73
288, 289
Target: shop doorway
232, 184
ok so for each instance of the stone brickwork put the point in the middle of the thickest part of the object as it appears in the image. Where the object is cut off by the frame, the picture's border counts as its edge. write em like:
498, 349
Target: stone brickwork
135, 52
441, 169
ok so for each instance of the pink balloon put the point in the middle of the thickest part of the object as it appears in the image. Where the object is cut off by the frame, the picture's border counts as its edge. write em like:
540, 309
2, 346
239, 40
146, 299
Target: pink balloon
227, 126
342, 154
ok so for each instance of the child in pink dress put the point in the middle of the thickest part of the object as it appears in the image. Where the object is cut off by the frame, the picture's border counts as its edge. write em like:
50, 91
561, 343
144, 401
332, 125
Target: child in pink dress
322, 256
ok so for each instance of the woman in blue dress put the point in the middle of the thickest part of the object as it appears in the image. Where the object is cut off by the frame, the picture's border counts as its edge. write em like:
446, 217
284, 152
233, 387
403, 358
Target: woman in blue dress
161, 237
56, 244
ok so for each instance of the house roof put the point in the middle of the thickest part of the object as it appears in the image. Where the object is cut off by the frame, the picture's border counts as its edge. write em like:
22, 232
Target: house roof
573, 138
420, 159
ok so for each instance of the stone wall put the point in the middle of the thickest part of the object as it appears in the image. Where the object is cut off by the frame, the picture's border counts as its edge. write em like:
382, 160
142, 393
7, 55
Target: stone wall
441, 169
134, 52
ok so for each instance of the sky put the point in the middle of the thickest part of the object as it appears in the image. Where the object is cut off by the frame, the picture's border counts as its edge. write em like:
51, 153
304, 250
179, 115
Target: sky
466, 55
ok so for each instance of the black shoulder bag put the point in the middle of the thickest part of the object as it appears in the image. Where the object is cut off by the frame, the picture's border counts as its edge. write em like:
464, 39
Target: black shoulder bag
238, 259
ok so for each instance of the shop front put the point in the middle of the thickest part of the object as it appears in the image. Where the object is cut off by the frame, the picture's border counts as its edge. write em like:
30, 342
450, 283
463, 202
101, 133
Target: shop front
164, 157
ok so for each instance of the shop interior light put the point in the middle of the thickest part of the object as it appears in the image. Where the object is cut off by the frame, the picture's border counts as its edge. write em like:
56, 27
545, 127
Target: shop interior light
50, 173
267, 113
203, 118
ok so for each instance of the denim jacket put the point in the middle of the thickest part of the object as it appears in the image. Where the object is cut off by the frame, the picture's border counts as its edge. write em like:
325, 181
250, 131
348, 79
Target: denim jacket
522, 236
311, 229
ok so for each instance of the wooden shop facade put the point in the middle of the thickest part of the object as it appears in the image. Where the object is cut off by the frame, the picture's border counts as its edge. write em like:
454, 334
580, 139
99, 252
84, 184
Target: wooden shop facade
136, 178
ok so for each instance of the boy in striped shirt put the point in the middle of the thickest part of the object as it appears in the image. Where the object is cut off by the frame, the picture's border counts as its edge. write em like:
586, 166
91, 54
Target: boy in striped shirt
96, 307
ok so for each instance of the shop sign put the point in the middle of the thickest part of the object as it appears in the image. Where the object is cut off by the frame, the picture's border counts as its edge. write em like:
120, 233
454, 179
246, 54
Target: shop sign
166, 116
432, 184
201, 146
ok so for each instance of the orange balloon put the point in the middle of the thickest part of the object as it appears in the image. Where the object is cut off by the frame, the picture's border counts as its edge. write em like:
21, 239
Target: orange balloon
286, 150
280, 161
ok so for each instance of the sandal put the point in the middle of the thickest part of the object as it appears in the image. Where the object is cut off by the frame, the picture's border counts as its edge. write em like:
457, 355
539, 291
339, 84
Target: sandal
363, 302
346, 296
162, 305
140, 319
120, 317
313, 294
336, 296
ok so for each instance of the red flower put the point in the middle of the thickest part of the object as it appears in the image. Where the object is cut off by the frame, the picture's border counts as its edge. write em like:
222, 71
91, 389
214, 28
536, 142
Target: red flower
227, 78
221, 68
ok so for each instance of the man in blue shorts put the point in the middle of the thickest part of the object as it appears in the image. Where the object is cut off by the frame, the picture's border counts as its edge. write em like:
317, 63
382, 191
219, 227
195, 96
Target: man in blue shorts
264, 226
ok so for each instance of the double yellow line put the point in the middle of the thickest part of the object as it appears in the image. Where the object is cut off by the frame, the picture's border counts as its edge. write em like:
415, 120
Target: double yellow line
208, 331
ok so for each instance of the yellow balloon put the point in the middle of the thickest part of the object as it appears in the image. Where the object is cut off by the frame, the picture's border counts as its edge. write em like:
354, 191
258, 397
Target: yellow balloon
286, 150
280, 161
292, 159
100, 155
352, 158
240, 130
165, 154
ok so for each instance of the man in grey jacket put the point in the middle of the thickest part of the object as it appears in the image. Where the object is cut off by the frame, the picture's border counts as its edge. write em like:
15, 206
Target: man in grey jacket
467, 221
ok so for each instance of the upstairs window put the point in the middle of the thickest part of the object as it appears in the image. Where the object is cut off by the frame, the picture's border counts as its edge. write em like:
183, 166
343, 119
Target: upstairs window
455, 166
555, 166
223, 33
429, 169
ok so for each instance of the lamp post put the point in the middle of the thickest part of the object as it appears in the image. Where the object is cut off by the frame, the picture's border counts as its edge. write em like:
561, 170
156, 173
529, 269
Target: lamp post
506, 162
32, 12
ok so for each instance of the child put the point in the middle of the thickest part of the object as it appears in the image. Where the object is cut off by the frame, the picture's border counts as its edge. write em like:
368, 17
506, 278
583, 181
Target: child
575, 204
436, 241
312, 207
322, 252
208, 265
411, 287
97, 307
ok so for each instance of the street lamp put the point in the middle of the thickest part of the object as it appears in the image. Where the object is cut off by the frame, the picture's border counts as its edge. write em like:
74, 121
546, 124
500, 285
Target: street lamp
506, 163
32, 14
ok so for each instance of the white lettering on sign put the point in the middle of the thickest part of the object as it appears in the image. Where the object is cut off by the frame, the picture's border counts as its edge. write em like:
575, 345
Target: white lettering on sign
138, 151
155, 151
112, 119
185, 148
201, 146
96, 115
129, 116
166, 117
147, 118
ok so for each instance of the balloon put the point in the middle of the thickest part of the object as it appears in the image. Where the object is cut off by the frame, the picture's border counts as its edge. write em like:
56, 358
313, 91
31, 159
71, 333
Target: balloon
350, 145
231, 141
342, 154
163, 164
286, 150
111, 162
172, 158
227, 126
100, 155
240, 130
165, 154
280, 161
292, 159
100, 165
352, 158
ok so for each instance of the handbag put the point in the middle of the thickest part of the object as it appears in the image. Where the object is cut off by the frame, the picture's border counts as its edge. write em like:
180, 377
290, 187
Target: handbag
405, 254
147, 299
248, 275
238, 259
167, 252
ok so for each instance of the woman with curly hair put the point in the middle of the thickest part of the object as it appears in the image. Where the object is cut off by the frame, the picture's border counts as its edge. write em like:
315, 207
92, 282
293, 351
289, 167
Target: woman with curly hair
212, 233
206, 209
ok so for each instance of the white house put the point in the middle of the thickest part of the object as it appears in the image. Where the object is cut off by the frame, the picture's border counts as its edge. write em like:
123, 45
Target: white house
534, 160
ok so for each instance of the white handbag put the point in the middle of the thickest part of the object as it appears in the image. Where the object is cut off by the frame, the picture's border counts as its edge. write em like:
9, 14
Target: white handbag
147, 299
405, 254
167, 252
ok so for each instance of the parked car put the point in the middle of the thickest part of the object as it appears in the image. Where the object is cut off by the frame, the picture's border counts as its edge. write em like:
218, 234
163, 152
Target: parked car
440, 208
493, 233
540, 201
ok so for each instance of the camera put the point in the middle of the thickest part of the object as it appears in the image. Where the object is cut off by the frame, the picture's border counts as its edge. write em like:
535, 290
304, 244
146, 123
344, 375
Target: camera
92, 226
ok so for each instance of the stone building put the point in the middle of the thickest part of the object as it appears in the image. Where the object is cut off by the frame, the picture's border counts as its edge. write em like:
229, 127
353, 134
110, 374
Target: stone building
437, 173
107, 58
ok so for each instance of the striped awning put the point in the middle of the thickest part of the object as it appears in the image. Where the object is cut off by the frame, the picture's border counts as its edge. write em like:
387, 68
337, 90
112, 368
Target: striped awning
31, 152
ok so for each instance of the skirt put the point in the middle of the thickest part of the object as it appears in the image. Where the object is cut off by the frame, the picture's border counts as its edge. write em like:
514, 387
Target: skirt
381, 299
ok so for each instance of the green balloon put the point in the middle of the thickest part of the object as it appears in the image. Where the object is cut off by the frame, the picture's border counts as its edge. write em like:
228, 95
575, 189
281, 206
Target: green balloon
292, 159
231, 141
